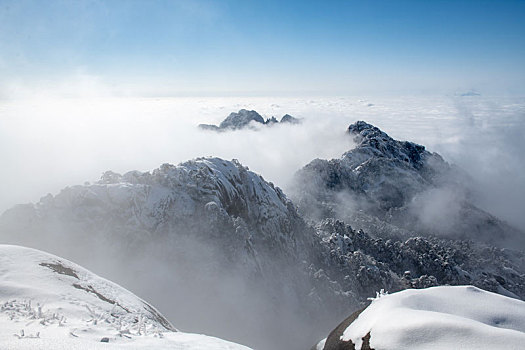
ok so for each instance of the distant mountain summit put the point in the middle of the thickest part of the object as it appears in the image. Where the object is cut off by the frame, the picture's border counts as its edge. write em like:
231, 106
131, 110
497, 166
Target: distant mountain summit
244, 118
382, 172
386, 185
289, 119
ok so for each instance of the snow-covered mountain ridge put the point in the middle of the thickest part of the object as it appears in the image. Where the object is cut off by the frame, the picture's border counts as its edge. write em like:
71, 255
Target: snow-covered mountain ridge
396, 186
47, 302
210, 222
216, 191
228, 242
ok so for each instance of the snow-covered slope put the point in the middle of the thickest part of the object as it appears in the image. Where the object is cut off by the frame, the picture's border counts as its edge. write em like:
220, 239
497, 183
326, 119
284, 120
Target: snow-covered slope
462, 317
234, 248
209, 197
395, 188
209, 231
47, 302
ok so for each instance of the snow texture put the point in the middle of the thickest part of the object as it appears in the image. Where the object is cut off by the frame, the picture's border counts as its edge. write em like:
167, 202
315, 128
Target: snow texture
211, 189
235, 241
369, 264
47, 302
461, 317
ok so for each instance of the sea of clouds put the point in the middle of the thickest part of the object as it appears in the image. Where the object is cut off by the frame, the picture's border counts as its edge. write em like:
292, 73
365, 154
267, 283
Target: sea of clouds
52, 142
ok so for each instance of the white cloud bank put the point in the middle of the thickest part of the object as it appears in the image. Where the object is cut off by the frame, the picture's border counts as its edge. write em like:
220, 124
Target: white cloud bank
49, 142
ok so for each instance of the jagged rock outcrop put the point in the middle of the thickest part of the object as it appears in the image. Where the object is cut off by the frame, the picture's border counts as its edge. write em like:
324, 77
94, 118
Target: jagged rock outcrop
396, 188
333, 341
244, 119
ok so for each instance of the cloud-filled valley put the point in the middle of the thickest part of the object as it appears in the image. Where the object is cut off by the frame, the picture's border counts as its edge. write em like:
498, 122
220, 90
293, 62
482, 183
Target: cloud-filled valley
89, 136
163, 227
208, 175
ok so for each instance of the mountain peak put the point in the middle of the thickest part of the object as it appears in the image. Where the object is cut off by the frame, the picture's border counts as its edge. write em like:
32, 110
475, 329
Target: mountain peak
52, 303
401, 183
238, 120
370, 138
363, 128
289, 119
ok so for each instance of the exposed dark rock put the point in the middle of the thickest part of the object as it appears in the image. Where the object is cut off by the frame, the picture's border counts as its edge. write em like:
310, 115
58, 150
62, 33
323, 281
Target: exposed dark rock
271, 120
92, 290
61, 269
333, 341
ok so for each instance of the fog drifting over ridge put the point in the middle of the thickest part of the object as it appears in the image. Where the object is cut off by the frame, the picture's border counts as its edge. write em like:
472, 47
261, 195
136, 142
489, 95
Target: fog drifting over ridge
49, 143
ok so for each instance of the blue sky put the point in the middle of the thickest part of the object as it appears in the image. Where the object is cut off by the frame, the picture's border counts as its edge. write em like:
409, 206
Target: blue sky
266, 47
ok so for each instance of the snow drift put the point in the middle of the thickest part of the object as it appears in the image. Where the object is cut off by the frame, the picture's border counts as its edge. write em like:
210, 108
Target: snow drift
47, 302
461, 317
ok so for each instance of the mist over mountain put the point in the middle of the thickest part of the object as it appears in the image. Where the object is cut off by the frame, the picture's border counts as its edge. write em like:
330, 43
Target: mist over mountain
397, 188
244, 258
205, 156
209, 231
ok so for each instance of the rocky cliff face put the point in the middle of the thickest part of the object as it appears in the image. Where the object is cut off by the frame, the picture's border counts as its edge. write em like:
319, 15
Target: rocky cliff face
398, 189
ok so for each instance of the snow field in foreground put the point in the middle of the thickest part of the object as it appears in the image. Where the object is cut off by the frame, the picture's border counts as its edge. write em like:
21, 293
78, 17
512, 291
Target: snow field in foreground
47, 302
460, 317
